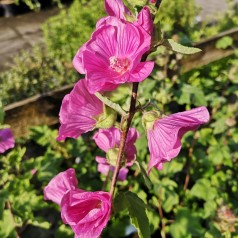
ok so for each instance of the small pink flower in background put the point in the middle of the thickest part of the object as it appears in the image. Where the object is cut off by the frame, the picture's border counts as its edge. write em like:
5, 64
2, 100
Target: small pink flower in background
7, 140
77, 112
59, 185
108, 140
104, 168
153, 1
33, 171
164, 139
112, 56
86, 212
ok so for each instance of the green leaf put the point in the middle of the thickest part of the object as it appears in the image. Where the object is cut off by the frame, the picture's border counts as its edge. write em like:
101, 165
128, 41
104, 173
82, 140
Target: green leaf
191, 95
39, 222
120, 202
64, 232
171, 199
224, 42
144, 174
7, 226
209, 209
203, 190
2, 114
178, 48
137, 211
186, 225
138, 215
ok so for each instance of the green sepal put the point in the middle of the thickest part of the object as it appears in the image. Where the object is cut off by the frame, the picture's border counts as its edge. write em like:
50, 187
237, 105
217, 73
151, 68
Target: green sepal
107, 119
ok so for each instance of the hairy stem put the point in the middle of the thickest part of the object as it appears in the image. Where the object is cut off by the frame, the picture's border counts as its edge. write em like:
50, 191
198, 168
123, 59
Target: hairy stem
124, 127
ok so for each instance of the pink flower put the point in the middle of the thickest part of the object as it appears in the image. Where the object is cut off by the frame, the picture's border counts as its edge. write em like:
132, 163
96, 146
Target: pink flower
112, 56
86, 212
164, 139
152, 1
6, 140
109, 140
104, 168
77, 112
60, 185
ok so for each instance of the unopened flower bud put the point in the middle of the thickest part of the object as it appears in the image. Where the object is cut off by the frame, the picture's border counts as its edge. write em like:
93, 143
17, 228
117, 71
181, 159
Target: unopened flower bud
112, 155
149, 118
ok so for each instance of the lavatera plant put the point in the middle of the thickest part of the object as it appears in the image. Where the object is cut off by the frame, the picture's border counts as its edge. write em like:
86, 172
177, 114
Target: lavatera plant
116, 54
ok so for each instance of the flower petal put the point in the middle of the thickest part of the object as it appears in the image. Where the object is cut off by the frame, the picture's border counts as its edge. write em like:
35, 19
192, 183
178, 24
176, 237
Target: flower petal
116, 8
77, 112
59, 185
165, 139
141, 72
7, 140
145, 20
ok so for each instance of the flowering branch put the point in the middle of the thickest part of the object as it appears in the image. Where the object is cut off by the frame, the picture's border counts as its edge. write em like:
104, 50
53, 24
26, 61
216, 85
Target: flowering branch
125, 130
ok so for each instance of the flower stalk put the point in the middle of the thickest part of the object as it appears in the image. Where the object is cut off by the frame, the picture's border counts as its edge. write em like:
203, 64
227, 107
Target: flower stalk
127, 122
124, 130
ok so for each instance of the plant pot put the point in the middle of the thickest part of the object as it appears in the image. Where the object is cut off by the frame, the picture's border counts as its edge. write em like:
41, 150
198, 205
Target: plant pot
9, 8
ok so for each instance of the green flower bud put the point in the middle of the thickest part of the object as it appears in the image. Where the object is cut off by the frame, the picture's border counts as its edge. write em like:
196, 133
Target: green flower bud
149, 118
112, 155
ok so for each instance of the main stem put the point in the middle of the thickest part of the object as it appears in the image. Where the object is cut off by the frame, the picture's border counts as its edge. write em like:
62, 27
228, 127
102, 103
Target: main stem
124, 121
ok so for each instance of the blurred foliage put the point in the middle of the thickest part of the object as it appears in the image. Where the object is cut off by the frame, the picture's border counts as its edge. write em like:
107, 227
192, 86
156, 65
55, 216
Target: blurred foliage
36, 5
44, 69
32, 73
195, 195
66, 32
48, 68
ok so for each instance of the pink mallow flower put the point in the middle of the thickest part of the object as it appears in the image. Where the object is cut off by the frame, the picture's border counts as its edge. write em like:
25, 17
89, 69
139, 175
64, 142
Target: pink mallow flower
86, 212
109, 140
112, 56
164, 138
7, 140
78, 111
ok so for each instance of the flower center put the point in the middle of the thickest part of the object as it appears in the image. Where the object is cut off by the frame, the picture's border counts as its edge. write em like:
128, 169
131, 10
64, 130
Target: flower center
99, 205
119, 65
